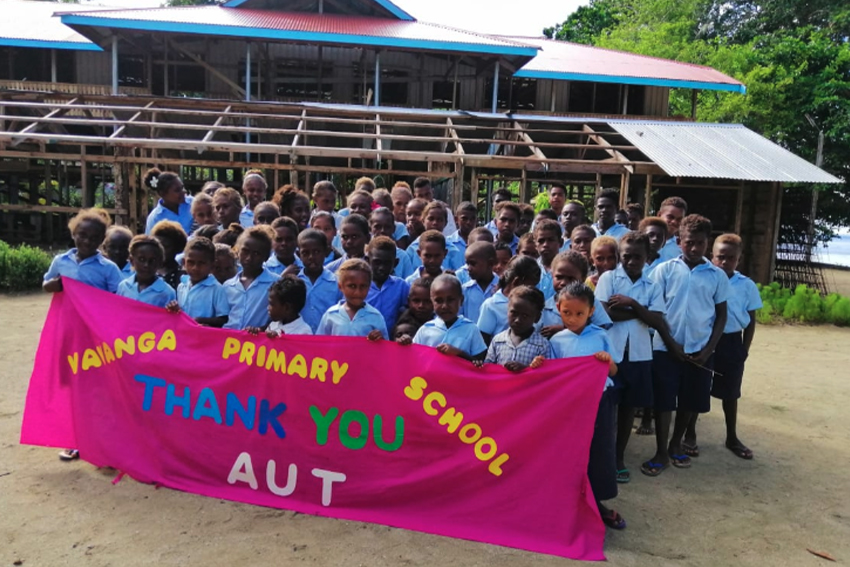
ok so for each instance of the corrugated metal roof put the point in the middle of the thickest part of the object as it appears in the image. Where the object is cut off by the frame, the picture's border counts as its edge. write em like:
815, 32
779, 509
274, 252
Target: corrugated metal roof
387, 5
718, 151
571, 61
27, 23
301, 26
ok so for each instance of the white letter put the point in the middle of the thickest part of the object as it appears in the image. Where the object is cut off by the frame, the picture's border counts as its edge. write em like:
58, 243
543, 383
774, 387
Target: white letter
291, 479
243, 461
328, 479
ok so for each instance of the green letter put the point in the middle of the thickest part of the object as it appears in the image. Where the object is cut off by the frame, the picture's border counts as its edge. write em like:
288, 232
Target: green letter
378, 433
323, 423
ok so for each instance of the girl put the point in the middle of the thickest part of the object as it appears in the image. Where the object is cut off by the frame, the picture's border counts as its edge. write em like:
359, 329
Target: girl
655, 228
527, 247
493, 319
360, 203
294, 204
116, 247
381, 223
354, 317
202, 211
503, 257
383, 199
255, 189
324, 197
568, 267
266, 213
230, 235
603, 252
401, 195
225, 263
287, 297
413, 216
173, 241
174, 204
322, 288
580, 240
248, 292
207, 231
405, 326
435, 217
201, 295
354, 234
521, 346
210, 187
227, 205
284, 245
147, 256
326, 223
84, 262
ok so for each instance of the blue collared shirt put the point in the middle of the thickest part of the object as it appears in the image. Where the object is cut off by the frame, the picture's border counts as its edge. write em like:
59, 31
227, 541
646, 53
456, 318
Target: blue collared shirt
336, 322
403, 267
127, 270
321, 295
551, 316
615, 231
493, 318
390, 299
649, 268
183, 216
158, 294
669, 251
95, 270
249, 307
336, 264
634, 333
513, 243
691, 297
456, 240
566, 245
463, 334
474, 297
502, 349
418, 273
454, 257
743, 297
276, 267
246, 217
400, 231
545, 285
462, 274
206, 298
591, 340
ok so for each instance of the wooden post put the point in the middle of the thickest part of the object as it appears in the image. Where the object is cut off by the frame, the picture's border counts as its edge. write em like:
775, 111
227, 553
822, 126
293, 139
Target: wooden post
48, 193
647, 197
776, 189
114, 64
473, 187
625, 99
85, 193
523, 186
554, 96
457, 186
625, 181
454, 85
53, 70
377, 92
165, 88
739, 209
133, 186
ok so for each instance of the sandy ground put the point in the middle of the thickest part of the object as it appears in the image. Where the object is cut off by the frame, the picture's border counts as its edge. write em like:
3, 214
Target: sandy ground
795, 495
838, 281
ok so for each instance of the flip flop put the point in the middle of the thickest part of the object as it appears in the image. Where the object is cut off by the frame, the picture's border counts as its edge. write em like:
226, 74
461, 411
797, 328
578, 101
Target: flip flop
624, 476
615, 521
651, 468
690, 450
645, 430
741, 452
69, 454
680, 461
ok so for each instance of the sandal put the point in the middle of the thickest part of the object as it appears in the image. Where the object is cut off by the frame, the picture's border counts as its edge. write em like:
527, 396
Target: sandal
651, 468
624, 476
691, 450
680, 461
648, 430
69, 454
741, 451
615, 521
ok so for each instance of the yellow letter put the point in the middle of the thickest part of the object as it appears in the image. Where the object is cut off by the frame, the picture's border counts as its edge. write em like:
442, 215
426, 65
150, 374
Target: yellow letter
146, 342
496, 464
231, 347
416, 388
121, 347
247, 354
276, 360
464, 433
298, 366
452, 418
107, 354
74, 362
167, 341
318, 369
479, 452
338, 370
427, 402
90, 359
261, 356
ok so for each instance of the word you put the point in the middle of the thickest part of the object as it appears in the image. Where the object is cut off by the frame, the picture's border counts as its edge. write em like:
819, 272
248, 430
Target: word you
350, 417
276, 360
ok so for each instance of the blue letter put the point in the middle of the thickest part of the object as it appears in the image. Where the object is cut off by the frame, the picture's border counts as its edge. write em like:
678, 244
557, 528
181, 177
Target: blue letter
151, 384
207, 396
234, 408
269, 417
172, 400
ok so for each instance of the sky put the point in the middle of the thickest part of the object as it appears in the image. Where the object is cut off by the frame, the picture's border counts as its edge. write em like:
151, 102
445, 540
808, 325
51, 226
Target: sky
526, 18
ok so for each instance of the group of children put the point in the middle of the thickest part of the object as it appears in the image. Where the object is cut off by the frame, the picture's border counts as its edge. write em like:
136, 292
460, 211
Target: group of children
674, 327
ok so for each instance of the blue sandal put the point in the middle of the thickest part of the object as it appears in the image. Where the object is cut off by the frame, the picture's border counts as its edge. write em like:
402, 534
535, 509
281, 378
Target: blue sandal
680, 461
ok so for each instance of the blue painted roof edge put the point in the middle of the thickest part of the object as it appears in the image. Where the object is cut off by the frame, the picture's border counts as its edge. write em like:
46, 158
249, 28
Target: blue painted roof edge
41, 44
292, 35
386, 4
648, 81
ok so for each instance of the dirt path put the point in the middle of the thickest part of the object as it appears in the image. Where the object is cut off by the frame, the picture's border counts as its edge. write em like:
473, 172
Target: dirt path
724, 511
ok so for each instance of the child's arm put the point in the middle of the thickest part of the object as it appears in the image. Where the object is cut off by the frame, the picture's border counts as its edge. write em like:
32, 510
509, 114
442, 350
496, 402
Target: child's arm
404, 340
673, 347
551, 330
716, 332
603, 356
212, 321
375, 335
618, 311
454, 351
750, 332
53, 285
625, 308
173, 306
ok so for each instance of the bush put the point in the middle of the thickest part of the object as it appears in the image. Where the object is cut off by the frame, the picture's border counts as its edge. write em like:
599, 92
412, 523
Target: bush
22, 267
804, 305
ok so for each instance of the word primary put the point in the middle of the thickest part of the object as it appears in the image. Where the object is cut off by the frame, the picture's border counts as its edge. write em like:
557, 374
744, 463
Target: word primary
276, 360
104, 354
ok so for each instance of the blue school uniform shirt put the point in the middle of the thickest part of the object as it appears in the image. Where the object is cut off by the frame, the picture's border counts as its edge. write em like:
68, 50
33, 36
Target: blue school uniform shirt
95, 270
591, 340
648, 268
462, 274
456, 240
669, 251
418, 273
400, 231
633, 334
246, 217
493, 318
551, 316
454, 258
743, 297
183, 216
690, 297
615, 231
336, 322
276, 267
390, 299
474, 297
206, 298
321, 295
158, 294
513, 243
402, 267
463, 334
249, 307
545, 284
127, 270
566, 245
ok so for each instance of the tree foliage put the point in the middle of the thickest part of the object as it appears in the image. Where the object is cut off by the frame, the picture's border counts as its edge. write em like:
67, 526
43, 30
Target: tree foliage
793, 56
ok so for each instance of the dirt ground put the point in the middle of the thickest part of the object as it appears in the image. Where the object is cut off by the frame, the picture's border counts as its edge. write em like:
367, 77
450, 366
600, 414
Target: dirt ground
794, 496
838, 281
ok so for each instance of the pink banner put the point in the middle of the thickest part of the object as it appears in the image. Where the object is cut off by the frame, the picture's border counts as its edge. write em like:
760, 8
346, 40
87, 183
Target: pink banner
341, 427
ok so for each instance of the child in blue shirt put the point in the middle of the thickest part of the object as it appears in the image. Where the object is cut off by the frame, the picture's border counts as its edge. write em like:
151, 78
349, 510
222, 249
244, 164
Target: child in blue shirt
548, 240
354, 317
522, 270
672, 211
733, 348
521, 346
255, 189
248, 292
354, 234
434, 217
695, 294
449, 332
387, 293
382, 223
322, 288
568, 267
84, 262
466, 215
483, 283
505, 224
147, 254
430, 249
480, 234
284, 245
225, 263
116, 247
582, 338
655, 230
200, 295
174, 204
327, 223
173, 240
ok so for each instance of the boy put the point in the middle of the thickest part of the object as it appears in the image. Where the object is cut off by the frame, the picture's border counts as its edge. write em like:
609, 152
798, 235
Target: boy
401, 196
499, 196
606, 209
200, 295
521, 346
655, 230
557, 197
695, 294
526, 219
479, 234
284, 245
505, 223
573, 215
353, 317
322, 288
483, 283
422, 190
414, 211
734, 345
449, 332
467, 220
547, 238
635, 214
354, 234
635, 305
387, 293
116, 247
147, 255
381, 223
434, 218
672, 211
248, 292
431, 253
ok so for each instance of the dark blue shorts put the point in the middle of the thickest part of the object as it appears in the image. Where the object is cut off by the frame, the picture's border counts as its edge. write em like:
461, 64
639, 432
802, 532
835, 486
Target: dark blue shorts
680, 385
729, 359
602, 465
635, 383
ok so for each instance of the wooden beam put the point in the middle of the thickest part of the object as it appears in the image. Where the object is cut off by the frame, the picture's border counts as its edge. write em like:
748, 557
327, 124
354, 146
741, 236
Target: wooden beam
53, 209
120, 130
599, 140
56, 113
526, 138
224, 78
455, 138
209, 135
647, 197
